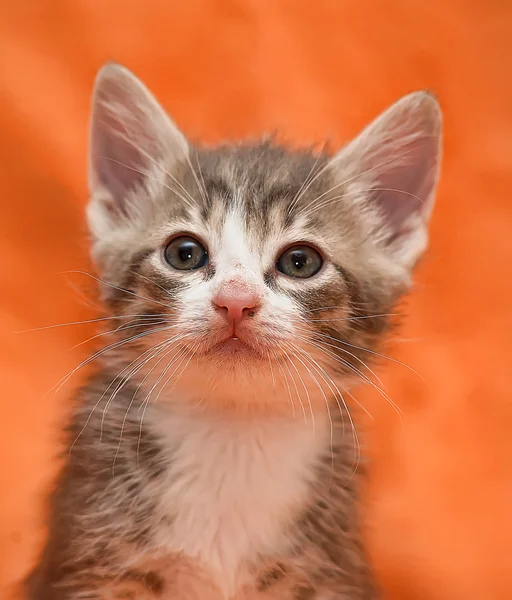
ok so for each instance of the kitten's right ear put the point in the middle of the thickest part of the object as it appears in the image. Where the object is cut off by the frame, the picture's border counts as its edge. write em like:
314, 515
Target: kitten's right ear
132, 141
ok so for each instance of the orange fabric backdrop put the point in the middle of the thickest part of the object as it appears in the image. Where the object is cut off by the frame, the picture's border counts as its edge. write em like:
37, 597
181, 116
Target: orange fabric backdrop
440, 493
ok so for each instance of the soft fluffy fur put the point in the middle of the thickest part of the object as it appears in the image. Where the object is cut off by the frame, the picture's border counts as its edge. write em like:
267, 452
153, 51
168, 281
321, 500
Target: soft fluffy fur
196, 471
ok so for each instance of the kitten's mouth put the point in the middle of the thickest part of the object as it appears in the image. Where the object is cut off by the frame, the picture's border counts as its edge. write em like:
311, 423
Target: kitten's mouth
234, 346
232, 343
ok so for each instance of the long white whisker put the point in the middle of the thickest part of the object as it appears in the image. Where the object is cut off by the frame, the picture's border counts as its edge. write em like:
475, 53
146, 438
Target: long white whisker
271, 371
398, 362
119, 375
145, 404
118, 330
202, 190
150, 280
351, 367
362, 317
125, 381
206, 197
306, 183
285, 379
324, 335
327, 406
296, 389
358, 373
337, 393
192, 353
87, 321
96, 355
303, 385
115, 287
165, 354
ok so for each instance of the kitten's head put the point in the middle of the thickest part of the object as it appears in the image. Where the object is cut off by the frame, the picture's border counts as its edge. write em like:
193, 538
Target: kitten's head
247, 270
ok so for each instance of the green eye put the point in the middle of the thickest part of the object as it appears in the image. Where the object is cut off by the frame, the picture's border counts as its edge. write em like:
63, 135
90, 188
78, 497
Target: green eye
300, 261
185, 253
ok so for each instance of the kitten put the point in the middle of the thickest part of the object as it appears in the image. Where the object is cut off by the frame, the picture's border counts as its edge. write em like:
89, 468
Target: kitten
212, 456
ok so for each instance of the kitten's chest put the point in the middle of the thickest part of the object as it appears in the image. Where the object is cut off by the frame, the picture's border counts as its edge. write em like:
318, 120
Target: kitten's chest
233, 488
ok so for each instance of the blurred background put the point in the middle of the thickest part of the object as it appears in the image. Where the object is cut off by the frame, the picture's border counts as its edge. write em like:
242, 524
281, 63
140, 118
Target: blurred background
438, 501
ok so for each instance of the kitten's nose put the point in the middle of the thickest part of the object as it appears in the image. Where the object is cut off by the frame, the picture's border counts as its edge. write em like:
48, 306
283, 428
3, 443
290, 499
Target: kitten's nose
236, 303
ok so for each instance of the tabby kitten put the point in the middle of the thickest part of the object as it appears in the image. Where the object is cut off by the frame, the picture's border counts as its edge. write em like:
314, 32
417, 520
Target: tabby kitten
212, 456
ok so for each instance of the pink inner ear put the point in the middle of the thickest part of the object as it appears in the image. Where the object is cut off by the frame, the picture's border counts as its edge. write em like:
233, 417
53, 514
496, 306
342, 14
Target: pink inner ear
405, 190
130, 135
118, 165
399, 155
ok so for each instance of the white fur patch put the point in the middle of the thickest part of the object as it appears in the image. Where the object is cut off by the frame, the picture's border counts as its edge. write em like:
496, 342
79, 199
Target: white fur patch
234, 248
233, 485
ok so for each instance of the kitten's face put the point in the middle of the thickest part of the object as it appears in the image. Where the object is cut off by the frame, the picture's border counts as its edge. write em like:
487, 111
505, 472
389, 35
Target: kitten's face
248, 270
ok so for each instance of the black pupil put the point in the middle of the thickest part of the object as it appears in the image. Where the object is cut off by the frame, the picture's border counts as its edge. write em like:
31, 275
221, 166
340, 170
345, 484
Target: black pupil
299, 259
186, 251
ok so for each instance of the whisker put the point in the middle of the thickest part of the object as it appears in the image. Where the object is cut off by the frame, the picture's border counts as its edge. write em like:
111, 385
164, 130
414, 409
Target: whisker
192, 354
271, 371
179, 354
206, 197
315, 380
165, 354
398, 362
306, 184
202, 190
145, 404
304, 386
362, 317
285, 379
108, 348
296, 390
115, 287
354, 370
125, 381
85, 300
330, 337
86, 322
374, 352
150, 280
325, 375
359, 373
120, 374
118, 330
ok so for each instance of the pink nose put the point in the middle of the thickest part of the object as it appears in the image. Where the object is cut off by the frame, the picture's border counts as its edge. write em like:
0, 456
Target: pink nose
236, 303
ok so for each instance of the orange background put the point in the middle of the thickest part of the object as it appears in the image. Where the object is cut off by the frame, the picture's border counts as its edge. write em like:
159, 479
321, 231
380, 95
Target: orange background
440, 493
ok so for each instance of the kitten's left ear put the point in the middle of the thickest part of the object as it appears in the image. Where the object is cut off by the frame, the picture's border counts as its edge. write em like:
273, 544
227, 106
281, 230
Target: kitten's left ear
132, 144
395, 163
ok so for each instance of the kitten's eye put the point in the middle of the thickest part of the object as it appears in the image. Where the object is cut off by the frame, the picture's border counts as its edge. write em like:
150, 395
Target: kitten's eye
300, 261
185, 253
